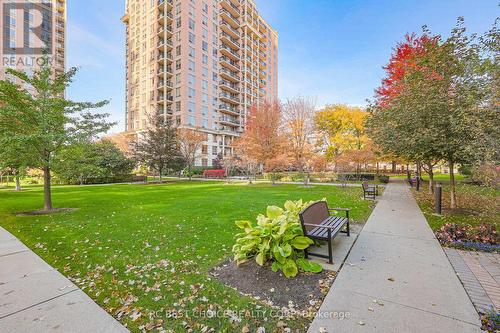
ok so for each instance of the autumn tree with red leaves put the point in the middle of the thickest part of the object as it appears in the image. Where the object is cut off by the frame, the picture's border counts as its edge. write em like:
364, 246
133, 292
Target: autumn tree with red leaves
262, 141
434, 103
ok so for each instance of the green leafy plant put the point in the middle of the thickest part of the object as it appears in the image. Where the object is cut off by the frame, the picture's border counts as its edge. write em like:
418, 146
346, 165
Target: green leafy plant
277, 239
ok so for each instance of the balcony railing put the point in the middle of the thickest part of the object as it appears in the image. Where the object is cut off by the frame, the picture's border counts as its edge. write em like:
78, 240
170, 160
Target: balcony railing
230, 50
234, 75
230, 61
231, 97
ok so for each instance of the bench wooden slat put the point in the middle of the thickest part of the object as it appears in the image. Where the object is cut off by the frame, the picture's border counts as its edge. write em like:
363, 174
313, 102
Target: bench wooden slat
336, 222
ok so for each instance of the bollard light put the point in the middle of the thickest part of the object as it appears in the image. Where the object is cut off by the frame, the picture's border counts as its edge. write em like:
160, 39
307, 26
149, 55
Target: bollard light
438, 194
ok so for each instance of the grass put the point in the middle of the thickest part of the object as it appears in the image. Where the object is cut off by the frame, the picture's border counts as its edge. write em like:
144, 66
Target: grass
143, 252
477, 205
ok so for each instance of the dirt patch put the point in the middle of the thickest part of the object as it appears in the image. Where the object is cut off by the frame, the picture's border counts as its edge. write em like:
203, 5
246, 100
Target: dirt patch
47, 212
303, 293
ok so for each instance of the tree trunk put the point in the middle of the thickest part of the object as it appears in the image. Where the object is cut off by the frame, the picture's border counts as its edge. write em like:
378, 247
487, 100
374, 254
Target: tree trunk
394, 167
47, 193
453, 194
160, 175
430, 172
189, 172
18, 180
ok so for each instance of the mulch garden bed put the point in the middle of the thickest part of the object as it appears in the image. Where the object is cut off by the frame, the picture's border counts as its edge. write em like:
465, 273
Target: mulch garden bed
47, 212
302, 294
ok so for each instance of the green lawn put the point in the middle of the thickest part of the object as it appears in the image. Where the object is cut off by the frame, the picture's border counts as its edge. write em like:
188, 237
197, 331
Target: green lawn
477, 205
139, 249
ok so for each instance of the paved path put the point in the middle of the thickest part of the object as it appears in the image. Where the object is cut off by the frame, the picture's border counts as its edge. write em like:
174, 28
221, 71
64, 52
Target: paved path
479, 272
34, 297
397, 277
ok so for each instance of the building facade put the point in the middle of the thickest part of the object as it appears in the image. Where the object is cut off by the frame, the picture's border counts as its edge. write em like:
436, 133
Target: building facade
200, 63
33, 32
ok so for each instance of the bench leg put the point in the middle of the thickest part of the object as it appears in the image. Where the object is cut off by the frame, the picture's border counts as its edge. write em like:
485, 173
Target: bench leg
306, 255
348, 230
330, 254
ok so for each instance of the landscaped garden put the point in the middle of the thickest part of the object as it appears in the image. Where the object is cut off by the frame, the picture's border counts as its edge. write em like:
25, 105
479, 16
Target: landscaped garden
145, 252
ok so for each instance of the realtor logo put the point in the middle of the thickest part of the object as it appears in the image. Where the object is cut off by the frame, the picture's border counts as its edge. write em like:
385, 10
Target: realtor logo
27, 28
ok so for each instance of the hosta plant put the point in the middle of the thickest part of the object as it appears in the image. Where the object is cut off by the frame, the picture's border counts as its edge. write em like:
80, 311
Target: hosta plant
277, 239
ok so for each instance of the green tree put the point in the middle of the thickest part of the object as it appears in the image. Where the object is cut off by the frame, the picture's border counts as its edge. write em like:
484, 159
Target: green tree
84, 162
433, 105
158, 147
35, 113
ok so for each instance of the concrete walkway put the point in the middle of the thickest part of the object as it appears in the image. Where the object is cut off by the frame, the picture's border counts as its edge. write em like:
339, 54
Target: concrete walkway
34, 297
397, 277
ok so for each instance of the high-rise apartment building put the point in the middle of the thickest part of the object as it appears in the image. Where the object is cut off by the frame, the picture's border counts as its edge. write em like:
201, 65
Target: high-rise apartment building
201, 63
33, 31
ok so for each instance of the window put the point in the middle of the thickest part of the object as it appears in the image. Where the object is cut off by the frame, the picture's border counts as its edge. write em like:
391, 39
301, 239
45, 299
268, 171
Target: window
204, 98
204, 110
191, 107
191, 24
178, 50
205, 72
192, 93
205, 7
192, 52
205, 123
191, 37
191, 80
178, 106
178, 78
191, 65
179, 22
214, 150
204, 85
205, 59
191, 121
178, 64
204, 46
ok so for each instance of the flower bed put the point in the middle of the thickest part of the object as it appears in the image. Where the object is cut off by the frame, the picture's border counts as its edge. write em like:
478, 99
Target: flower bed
214, 174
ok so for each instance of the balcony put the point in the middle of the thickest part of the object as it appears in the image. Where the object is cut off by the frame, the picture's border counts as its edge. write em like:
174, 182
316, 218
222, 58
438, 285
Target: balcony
231, 7
229, 18
229, 121
168, 43
170, 3
229, 52
231, 64
232, 42
229, 75
231, 87
229, 109
230, 98
229, 29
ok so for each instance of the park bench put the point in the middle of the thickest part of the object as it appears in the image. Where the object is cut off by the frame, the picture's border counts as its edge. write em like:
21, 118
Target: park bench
369, 191
319, 224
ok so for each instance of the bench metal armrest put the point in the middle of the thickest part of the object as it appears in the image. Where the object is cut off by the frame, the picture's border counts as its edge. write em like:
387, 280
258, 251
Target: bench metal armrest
340, 209
346, 210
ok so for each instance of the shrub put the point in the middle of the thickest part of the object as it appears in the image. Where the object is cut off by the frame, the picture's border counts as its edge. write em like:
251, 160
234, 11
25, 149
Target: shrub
214, 173
274, 176
383, 179
277, 238
491, 321
452, 233
487, 175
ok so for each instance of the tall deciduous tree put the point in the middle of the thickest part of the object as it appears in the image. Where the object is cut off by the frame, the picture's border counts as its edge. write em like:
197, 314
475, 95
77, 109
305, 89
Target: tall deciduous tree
190, 145
434, 103
158, 147
263, 140
42, 118
343, 131
299, 129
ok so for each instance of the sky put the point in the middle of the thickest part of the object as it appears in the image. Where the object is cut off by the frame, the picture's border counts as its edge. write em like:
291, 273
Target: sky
331, 50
